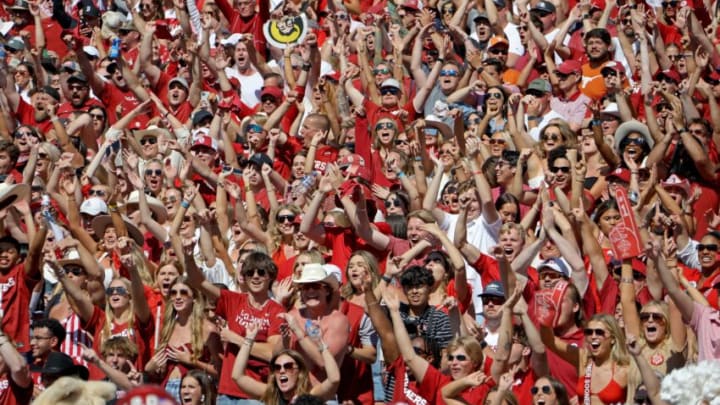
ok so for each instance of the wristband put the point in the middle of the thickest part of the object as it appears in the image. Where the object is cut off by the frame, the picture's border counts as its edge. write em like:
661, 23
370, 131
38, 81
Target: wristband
185, 204
682, 130
112, 207
400, 174
441, 60
306, 67
626, 280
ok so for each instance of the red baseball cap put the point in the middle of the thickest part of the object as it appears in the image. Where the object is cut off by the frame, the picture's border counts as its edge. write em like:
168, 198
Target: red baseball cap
569, 67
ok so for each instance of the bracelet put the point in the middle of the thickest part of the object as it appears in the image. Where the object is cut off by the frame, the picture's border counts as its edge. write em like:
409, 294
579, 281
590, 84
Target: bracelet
400, 174
387, 279
441, 60
418, 158
112, 207
477, 173
247, 189
185, 204
682, 130
306, 67
625, 280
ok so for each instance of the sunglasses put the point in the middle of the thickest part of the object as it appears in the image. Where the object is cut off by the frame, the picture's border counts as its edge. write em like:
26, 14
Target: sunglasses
545, 390
452, 73
666, 4
646, 316
609, 73
98, 117
383, 71
94, 192
676, 58
496, 141
169, 200
311, 286
498, 51
495, 95
711, 247
289, 366
550, 137
522, 28
254, 128
187, 218
419, 351
449, 10
342, 16
395, 202
286, 218
384, 125
563, 169
149, 140
268, 99
535, 93
183, 292
116, 290
399, 142
156, 172
594, 332
389, 90
21, 134
75, 270
252, 272
459, 357
493, 300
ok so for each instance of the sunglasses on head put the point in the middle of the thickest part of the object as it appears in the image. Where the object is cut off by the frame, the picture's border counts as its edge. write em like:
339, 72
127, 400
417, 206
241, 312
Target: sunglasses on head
710, 247
252, 272
451, 73
545, 390
149, 140
394, 202
381, 71
384, 125
289, 366
286, 218
389, 90
459, 357
646, 316
156, 172
116, 290
594, 332
557, 169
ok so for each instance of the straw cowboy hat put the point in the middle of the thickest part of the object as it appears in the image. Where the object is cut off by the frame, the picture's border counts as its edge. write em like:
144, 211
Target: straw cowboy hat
155, 205
316, 273
101, 222
10, 193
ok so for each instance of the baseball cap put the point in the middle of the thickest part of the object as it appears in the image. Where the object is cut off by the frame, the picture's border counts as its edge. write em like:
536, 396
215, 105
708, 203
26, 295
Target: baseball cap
493, 289
411, 5
671, 74
569, 67
16, 44
391, 83
619, 174
540, 85
557, 265
496, 41
204, 141
613, 66
93, 206
355, 166
201, 116
91, 11
273, 91
77, 78
180, 80
481, 16
50, 91
259, 159
544, 6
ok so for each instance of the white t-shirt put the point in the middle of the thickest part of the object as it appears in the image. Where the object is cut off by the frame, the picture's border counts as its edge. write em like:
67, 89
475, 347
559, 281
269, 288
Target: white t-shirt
250, 86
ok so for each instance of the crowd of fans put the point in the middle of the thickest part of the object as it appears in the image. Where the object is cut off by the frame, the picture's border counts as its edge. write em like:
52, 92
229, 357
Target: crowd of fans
361, 202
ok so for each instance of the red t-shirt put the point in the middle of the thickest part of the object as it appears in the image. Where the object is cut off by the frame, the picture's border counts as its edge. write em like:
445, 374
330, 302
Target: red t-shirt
375, 112
434, 380
236, 309
15, 289
113, 97
139, 334
25, 113
406, 390
66, 109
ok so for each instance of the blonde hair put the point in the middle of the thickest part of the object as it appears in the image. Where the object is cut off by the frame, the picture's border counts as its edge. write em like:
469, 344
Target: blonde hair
472, 347
619, 353
272, 394
197, 320
275, 236
109, 315
371, 265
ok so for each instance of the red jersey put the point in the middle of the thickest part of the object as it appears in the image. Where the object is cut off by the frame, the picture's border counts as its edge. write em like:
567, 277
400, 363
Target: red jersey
406, 390
359, 372
25, 113
15, 289
13, 394
434, 380
235, 308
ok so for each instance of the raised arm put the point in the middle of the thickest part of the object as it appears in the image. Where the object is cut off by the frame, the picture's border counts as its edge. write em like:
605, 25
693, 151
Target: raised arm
418, 365
246, 383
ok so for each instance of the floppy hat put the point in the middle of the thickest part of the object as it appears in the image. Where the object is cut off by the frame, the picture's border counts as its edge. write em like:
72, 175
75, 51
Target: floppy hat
101, 222
629, 127
155, 205
316, 273
433, 121
93, 206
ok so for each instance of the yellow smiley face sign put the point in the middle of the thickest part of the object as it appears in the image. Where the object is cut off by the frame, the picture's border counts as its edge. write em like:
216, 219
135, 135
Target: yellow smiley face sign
287, 30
